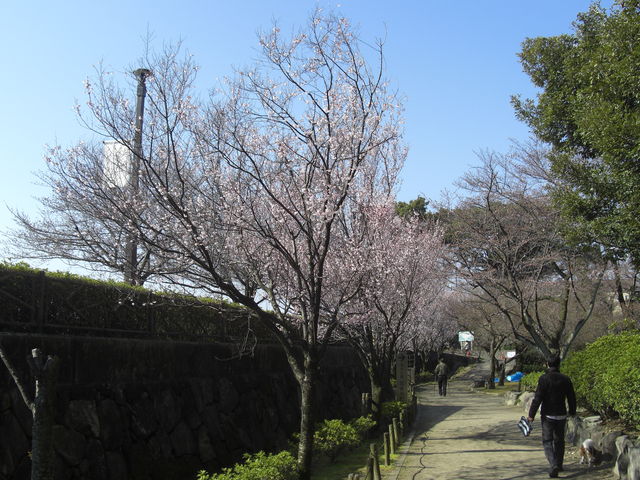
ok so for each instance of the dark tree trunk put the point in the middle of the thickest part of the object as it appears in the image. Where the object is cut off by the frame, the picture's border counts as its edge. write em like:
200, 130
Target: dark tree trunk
42, 453
45, 372
305, 447
503, 372
492, 370
381, 389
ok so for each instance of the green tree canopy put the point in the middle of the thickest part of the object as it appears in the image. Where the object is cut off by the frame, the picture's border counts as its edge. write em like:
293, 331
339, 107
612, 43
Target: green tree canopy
588, 110
417, 206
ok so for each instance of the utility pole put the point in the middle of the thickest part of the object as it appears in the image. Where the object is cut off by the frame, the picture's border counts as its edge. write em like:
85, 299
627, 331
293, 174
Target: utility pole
131, 275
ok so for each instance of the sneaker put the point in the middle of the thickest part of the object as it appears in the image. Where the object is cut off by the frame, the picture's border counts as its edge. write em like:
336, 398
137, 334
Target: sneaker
554, 472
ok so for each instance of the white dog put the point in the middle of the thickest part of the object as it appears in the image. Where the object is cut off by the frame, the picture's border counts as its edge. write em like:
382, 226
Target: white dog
589, 454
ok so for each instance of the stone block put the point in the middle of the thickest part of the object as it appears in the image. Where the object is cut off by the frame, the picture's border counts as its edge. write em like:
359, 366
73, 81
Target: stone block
160, 445
620, 469
112, 431
609, 444
511, 398
116, 466
5, 402
633, 471
82, 416
205, 447
94, 466
182, 441
167, 404
140, 461
211, 421
592, 421
143, 418
13, 443
574, 429
69, 444
525, 401
228, 395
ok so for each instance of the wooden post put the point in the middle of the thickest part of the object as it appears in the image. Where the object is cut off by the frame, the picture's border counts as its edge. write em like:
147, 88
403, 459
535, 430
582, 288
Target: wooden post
366, 406
392, 442
373, 449
387, 451
396, 431
402, 420
370, 468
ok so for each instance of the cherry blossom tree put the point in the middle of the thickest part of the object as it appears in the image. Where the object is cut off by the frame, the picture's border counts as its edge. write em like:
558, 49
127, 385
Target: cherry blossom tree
258, 192
397, 307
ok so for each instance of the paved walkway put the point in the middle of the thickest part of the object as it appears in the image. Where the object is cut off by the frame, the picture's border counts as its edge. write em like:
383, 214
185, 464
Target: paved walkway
472, 435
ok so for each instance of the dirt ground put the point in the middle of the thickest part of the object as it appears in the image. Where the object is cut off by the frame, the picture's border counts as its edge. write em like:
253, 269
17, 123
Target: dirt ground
472, 435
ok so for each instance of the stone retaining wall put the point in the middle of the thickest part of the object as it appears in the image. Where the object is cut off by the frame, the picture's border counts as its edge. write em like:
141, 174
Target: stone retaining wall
129, 409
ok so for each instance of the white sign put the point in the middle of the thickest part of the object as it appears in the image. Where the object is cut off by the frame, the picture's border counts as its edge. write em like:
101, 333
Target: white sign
465, 336
117, 163
511, 354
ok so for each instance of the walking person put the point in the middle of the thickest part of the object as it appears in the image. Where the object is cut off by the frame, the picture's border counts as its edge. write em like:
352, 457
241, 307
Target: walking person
554, 392
442, 375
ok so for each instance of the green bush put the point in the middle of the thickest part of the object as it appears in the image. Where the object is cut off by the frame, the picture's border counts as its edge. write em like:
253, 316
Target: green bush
606, 376
529, 382
391, 410
424, 377
260, 466
363, 425
334, 436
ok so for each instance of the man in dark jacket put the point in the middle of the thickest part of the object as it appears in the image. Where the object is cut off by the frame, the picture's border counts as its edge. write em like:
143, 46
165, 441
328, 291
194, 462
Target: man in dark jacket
554, 391
442, 375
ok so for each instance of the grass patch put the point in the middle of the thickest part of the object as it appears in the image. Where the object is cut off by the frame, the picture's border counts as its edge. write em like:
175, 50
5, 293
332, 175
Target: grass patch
354, 461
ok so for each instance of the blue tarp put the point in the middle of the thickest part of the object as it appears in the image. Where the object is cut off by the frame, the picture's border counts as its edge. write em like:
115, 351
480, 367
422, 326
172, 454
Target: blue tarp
511, 378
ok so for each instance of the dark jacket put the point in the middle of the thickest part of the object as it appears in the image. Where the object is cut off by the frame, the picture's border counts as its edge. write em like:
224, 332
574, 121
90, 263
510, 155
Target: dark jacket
442, 370
554, 391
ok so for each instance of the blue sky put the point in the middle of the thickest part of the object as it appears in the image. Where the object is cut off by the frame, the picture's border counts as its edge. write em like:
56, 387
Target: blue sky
454, 62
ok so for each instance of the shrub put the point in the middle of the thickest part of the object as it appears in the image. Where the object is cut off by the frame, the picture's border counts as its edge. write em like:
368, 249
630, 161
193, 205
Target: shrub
390, 410
259, 466
424, 377
363, 425
333, 436
530, 381
606, 376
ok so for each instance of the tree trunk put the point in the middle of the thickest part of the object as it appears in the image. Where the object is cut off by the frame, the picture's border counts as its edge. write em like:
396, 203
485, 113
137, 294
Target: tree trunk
381, 390
42, 408
503, 372
305, 448
42, 453
492, 369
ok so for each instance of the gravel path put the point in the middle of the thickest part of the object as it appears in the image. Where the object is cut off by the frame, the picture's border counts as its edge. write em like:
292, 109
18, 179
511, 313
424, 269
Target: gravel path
472, 435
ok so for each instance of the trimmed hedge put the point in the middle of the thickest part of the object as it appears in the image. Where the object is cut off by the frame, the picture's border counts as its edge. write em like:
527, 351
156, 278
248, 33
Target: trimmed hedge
530, 381
606, 376
59, 303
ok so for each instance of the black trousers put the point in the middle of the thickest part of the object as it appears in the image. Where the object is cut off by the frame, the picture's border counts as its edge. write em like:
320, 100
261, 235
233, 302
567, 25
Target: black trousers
553, 440
442, 385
